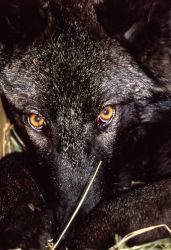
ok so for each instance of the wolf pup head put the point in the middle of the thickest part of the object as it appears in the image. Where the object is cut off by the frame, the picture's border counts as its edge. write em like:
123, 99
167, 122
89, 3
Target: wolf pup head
75, 98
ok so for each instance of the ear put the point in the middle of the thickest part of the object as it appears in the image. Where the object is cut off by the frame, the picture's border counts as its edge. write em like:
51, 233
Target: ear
22, 19
117, 17
143, 26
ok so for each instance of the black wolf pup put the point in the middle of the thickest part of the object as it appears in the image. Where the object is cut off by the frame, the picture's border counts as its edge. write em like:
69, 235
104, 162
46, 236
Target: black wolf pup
78, 98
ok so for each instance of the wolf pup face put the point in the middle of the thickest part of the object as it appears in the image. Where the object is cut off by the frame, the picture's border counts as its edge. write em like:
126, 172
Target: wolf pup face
70, 97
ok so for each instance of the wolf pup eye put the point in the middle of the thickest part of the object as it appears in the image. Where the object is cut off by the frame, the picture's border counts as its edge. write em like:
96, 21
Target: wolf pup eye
36, 121
105, 116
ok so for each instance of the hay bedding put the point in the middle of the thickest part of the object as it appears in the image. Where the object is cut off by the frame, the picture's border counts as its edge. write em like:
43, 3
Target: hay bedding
9, 140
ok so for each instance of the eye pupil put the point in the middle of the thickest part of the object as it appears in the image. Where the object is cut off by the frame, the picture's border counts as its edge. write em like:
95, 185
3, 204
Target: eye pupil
37, 118
105, 111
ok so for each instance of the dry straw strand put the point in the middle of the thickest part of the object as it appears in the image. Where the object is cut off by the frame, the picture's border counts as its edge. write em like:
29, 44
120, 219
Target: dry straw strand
138, 232
5, 141
85, 192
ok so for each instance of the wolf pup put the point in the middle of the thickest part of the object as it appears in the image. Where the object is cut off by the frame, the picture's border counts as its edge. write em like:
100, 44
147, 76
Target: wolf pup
76, 99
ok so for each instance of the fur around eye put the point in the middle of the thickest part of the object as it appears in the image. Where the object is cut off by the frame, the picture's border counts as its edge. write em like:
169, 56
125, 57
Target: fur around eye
105, 116
36, 121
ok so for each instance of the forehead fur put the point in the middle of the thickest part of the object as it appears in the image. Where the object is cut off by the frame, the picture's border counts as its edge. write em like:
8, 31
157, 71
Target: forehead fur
73, 67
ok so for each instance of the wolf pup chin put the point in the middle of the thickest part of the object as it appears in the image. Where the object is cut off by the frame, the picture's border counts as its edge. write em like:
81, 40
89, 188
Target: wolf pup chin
77, 97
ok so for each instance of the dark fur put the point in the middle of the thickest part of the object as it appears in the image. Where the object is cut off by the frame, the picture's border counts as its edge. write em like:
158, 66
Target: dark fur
144, 27
25, 220
68, 78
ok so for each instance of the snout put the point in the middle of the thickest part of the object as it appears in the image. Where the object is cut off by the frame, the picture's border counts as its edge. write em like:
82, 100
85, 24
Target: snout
72, 180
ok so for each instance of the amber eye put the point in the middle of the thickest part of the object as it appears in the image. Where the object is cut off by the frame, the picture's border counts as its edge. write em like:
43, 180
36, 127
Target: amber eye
105, 116
36, 121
